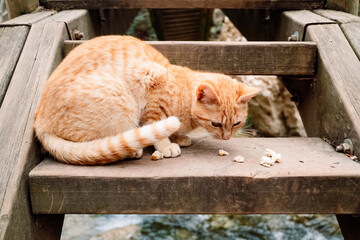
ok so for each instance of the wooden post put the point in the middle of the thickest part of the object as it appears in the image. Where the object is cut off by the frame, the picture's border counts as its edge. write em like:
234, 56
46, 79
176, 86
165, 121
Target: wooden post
349, 6
349, 225
17, 7
41, 53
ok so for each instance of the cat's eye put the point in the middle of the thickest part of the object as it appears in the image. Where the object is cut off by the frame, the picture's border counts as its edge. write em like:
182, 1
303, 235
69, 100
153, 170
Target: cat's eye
215, 124
236, 124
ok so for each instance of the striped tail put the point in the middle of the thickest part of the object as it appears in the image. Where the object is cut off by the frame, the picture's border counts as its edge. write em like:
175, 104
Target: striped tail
109, 149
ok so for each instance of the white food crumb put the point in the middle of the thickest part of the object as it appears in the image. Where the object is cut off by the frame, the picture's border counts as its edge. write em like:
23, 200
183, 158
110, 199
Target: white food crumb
157, 155
223, 153
239, 159
265, 164
277, 157
270, 158
267, 160
269, 153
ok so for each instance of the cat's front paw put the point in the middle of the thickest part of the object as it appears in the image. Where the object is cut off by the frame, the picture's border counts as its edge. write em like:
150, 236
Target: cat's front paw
172, 150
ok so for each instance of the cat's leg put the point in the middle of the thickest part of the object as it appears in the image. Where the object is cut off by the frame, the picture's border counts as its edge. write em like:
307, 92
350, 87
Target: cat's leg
181, 140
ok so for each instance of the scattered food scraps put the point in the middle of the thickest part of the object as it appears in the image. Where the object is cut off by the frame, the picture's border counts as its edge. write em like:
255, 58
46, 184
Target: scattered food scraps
267, 160
270, 158
157, 155
265, 164
239, 159
223, 153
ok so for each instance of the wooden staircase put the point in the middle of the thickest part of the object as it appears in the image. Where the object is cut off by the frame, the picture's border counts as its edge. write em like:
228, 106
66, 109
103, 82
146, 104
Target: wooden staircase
322, 69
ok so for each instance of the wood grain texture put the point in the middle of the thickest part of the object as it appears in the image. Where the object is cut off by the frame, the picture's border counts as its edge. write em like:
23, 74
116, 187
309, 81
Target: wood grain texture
28, 19
338, 16
12, 40
75, 20
41, 53
17, 7
311, 178
352, 33
349, 24
237, 4
336, 89
262, 58
298, 21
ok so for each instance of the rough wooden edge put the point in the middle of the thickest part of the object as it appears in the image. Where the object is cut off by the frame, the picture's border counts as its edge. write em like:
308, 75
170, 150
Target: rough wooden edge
16, 218
352, 33
75, 20
12, 40
249, 4
338, 16
338, 71
28, 19
349, 24
296, 22
22, 155
336, 89
233, 57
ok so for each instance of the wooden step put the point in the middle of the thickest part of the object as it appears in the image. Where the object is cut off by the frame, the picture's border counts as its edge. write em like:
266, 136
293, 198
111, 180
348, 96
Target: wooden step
236, 4
254, 58
311, 178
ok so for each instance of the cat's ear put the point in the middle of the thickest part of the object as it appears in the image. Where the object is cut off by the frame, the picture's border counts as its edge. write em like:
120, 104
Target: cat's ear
206, 94
246, 93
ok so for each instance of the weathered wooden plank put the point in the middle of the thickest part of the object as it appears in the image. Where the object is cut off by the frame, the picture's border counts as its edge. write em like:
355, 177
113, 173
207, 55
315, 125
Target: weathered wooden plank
349, 24
18, 151
329, 106
335, 112
311, 178
296, 22
17, 7
75, 20
277, 58
249, 4
28, 19
338, 16
12, 40
352, 33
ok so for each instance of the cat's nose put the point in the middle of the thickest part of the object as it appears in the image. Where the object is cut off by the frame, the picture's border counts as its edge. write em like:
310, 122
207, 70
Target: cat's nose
226, 136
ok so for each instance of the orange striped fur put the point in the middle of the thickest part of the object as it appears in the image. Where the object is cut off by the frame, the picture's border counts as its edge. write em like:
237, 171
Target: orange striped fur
114, 95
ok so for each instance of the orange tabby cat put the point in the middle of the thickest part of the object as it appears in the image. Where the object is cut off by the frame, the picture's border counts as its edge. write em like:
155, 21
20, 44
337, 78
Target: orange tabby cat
104, 102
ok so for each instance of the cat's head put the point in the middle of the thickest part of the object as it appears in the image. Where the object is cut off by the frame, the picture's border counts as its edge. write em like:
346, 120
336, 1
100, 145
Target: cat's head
220, 105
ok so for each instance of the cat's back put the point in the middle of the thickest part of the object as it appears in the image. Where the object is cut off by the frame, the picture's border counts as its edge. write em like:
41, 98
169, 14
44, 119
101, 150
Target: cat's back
111, 49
